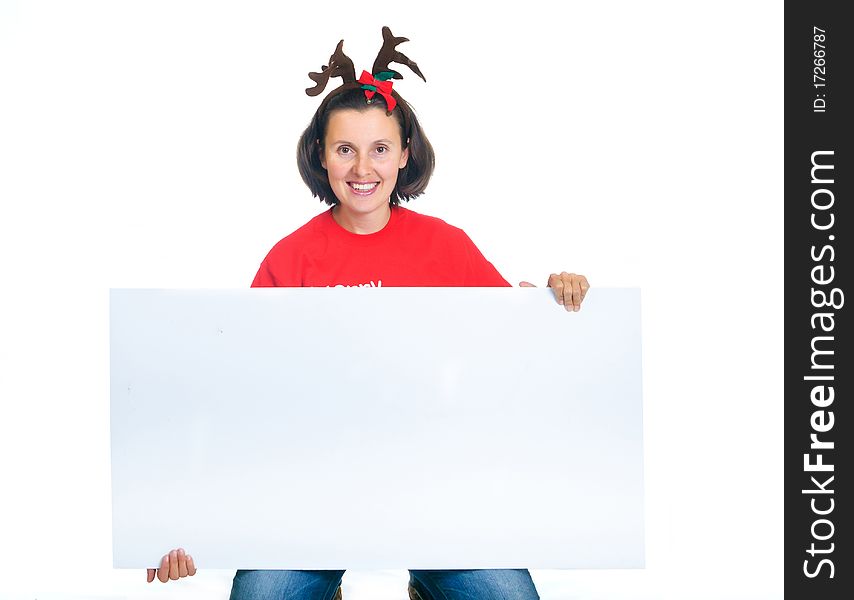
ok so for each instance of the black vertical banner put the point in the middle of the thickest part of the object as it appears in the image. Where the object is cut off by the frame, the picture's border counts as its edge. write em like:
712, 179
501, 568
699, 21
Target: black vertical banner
819, 364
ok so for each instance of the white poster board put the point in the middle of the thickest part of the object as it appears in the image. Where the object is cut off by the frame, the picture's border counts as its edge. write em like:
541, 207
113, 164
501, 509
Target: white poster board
422, 428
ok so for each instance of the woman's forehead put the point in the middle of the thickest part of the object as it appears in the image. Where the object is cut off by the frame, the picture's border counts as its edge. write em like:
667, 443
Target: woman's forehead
373, 124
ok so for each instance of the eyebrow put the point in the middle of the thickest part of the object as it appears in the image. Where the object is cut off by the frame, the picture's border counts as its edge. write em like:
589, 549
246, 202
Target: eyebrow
385, 141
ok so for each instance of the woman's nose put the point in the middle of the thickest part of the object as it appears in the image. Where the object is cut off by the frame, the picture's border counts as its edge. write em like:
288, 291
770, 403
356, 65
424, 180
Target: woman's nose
363, 165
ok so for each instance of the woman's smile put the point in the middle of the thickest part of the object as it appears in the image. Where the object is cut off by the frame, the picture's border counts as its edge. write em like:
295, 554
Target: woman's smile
363, 189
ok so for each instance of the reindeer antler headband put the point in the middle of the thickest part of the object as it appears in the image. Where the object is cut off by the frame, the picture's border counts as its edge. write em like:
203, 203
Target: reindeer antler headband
376, 82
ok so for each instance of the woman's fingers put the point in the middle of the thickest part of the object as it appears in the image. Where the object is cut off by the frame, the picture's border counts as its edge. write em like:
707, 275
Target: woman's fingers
569, 289
163, 571
556, 284
570, 301
583, 286
562, 289
575, 285
182, 563
173, 565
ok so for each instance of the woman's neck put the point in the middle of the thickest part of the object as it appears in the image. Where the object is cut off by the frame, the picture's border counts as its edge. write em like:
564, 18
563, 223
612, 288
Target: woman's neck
362, 223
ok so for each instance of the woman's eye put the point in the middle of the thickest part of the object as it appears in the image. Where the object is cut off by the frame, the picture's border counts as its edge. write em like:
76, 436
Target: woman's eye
381, 149
344, 150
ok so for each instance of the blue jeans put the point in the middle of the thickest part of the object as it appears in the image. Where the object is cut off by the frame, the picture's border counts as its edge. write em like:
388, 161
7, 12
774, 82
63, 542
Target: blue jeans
479, 584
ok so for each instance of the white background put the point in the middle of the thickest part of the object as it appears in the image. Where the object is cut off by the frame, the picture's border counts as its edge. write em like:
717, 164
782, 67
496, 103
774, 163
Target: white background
151, 144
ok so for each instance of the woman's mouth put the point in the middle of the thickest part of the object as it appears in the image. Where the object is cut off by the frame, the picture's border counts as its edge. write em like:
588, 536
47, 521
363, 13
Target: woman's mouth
363, 189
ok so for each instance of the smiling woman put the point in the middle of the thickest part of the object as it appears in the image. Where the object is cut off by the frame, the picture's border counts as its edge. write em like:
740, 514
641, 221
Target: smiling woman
362, 168
399, 133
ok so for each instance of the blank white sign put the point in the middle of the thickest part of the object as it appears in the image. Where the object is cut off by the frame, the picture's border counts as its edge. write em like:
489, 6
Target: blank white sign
420, 428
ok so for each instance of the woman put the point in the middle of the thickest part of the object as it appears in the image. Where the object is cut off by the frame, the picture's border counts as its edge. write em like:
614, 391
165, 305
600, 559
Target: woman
363, 153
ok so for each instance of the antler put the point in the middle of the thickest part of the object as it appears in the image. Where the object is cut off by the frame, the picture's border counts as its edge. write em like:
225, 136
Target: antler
340, 65
388, 55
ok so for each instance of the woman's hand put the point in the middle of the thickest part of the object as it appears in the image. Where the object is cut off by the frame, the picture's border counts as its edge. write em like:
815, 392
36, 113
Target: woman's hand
174, 565
569, 289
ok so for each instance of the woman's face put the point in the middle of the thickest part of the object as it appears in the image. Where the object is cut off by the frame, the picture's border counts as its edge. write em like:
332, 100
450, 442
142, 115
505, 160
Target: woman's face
362, 154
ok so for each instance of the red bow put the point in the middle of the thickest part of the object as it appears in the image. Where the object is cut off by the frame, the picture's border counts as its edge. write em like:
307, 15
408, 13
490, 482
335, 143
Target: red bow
383, 87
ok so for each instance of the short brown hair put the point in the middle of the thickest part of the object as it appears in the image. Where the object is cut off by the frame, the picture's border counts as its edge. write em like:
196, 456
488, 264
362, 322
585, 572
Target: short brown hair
411, 180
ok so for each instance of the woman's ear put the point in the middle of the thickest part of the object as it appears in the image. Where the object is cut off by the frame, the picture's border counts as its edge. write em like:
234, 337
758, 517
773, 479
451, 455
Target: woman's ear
404, 158
320, 154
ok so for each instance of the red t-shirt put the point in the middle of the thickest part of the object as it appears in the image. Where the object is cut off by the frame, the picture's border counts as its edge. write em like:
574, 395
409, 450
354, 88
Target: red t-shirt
412, 250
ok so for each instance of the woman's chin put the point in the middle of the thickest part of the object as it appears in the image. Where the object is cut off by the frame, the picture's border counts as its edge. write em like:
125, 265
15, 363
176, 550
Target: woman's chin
363, 206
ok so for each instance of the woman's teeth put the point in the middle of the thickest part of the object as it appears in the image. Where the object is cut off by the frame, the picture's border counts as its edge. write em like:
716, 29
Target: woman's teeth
363, 187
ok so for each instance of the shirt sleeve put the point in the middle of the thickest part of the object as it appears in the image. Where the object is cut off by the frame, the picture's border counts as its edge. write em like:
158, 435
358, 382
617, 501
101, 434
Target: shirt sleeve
264, 277
280, 268
479, 271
